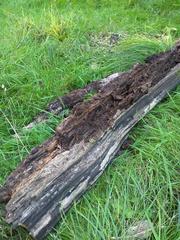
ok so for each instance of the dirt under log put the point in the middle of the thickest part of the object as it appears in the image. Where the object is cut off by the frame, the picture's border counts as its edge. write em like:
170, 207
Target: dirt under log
61, 169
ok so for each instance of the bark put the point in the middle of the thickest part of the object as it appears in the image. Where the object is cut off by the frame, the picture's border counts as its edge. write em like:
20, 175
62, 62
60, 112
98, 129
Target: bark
61, 169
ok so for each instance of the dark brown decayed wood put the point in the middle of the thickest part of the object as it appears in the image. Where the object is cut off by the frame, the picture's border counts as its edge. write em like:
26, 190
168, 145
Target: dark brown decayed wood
71, 99
61, 169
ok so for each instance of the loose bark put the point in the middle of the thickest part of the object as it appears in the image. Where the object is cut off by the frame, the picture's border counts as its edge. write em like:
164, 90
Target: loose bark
61, 169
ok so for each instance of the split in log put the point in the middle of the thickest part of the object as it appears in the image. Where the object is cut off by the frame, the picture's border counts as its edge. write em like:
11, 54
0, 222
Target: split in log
61, 169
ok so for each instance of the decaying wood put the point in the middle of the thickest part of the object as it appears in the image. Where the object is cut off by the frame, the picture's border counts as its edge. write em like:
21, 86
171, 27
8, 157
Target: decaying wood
61, 169
71, 99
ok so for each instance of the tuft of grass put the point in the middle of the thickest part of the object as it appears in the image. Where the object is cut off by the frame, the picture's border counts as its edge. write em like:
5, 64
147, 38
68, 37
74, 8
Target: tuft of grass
57, 27
89, 95
48, 48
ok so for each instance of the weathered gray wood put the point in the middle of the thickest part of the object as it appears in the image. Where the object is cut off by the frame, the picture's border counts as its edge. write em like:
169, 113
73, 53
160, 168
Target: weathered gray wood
60, 170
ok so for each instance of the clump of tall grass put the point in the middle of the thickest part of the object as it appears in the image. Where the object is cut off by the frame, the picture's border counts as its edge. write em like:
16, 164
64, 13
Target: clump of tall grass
51, 25
57, 26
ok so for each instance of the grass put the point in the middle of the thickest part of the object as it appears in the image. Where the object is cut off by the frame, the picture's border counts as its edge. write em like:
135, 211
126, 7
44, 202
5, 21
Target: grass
48, 48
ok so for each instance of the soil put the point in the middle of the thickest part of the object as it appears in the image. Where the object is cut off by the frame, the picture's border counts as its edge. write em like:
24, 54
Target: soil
105, 39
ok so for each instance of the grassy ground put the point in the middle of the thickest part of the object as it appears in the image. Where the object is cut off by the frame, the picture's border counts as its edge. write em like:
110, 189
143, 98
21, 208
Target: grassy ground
48, 48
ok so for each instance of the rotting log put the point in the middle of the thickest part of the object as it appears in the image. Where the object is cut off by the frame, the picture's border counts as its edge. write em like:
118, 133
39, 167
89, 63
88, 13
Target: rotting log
61, 169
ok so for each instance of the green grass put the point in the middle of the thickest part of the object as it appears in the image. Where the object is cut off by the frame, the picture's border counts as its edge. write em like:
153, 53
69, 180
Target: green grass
48, 48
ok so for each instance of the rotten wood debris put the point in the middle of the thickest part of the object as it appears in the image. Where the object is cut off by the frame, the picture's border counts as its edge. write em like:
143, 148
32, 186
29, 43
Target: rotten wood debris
71, 99
60, 170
